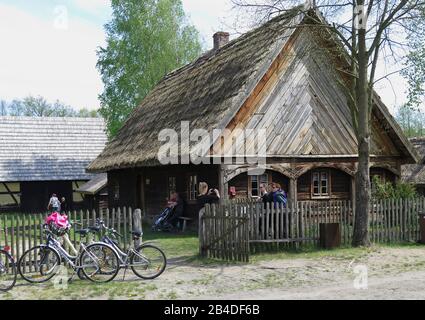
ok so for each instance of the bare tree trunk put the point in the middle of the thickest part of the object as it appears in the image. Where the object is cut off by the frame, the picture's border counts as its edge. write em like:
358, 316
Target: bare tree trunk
360, 236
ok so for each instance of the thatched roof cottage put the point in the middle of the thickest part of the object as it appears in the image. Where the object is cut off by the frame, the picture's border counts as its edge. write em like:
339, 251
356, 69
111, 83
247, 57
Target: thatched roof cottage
285, 78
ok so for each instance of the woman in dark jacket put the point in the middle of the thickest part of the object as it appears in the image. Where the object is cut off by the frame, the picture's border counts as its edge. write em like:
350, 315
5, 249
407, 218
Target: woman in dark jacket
206, 196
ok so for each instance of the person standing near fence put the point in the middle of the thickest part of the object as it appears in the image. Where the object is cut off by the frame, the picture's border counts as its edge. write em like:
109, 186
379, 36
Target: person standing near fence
206, 195
279, 196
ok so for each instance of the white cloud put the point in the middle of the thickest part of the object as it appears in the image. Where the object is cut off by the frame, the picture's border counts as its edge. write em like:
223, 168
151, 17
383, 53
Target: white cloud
38, 59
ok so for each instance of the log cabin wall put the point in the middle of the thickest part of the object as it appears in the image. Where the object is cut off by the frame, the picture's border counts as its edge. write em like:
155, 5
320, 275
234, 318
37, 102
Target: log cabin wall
149, 188
247, 186
332, 184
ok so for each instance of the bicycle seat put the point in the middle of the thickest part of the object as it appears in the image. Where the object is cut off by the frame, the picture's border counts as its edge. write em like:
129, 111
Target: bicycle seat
83, 232
94, 229
136, 233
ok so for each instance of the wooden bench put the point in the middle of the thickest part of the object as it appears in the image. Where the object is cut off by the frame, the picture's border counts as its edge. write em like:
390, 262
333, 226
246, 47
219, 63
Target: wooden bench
184, 220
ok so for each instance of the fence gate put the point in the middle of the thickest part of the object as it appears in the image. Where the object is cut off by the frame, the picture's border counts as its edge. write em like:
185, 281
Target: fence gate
224, 233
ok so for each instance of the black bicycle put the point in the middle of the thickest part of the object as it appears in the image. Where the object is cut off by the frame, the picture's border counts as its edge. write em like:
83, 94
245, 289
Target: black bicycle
8, 272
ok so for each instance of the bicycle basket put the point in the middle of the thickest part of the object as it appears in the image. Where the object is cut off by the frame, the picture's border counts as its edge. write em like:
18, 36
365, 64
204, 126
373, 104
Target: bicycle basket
57, 230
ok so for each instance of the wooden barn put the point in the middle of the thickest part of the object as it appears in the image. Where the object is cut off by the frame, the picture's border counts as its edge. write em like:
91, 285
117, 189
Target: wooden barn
41, 156
415, 173
284, 77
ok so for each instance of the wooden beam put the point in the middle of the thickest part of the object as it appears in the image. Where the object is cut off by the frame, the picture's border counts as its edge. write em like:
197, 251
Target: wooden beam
223, 184
10, 193
293, 190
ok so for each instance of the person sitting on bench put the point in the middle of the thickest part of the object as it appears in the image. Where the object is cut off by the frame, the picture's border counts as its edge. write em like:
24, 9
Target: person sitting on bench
178, 204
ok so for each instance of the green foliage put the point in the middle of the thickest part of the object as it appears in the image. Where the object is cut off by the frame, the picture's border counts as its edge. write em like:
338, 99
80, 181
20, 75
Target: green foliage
382, 190
411, 120
39, 107
415, 66
145, 40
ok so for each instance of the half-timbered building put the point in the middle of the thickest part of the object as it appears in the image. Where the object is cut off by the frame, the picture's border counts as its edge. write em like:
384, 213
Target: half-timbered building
40, 156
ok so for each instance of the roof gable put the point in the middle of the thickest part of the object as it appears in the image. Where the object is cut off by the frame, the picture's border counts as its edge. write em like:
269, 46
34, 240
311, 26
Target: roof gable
211, 92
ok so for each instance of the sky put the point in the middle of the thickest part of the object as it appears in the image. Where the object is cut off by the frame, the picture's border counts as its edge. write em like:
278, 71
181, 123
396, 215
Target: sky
49, 48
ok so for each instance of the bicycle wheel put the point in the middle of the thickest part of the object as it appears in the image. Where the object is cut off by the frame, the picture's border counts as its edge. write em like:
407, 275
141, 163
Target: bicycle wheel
8, 271
39, 264
148, 262
99, 263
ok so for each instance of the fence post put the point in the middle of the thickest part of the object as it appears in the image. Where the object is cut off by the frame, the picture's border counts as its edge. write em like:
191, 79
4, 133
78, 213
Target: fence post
201, 230
137, 222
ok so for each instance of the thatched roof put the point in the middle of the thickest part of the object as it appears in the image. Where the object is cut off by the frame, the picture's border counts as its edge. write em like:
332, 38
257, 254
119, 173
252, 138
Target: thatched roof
415, 173
49, 149
203, 92
208, 93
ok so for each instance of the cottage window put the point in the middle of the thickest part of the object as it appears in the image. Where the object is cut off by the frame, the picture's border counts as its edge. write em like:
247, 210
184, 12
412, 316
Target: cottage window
116, 191
256, 181
193, 187
320, 181
171, 186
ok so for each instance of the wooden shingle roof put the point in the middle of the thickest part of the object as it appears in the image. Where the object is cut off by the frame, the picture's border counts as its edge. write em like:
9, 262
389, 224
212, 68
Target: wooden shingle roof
99, 182
49, 149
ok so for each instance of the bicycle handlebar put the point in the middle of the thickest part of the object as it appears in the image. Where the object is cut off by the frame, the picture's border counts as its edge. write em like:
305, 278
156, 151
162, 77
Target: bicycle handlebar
101, 223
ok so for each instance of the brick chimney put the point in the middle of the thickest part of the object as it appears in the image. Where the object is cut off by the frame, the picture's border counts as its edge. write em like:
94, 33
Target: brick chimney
220, 39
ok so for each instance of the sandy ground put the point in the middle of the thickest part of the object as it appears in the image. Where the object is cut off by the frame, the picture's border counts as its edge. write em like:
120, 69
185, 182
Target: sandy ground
392, 273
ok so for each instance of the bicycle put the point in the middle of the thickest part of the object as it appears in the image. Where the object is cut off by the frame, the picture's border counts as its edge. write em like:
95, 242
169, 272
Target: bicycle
43, 261
142, 259
8, 272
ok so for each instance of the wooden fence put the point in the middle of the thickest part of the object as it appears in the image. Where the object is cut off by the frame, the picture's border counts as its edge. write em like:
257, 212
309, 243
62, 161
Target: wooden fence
229, 230
224, 233
24, 231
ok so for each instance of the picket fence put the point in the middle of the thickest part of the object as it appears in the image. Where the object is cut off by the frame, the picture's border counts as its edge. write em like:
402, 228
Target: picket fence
24, 231
231, 230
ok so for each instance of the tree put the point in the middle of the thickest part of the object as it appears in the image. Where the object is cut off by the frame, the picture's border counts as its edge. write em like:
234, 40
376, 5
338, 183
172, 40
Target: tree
3, 108
145, 40
411, 120
415, 68
86, 113
39, 107
370, 32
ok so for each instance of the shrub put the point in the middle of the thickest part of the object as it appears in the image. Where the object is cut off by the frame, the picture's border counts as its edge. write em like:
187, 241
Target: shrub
382, 190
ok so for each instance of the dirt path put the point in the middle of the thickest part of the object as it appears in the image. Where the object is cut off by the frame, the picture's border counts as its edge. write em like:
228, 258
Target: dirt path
393, 273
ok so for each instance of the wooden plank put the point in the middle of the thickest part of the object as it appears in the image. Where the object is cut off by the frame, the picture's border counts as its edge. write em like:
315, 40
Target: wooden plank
125, 229
18, 238
30, 239
112, 225
24, 233
287, 227
137, 221
118, 227
269, 208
